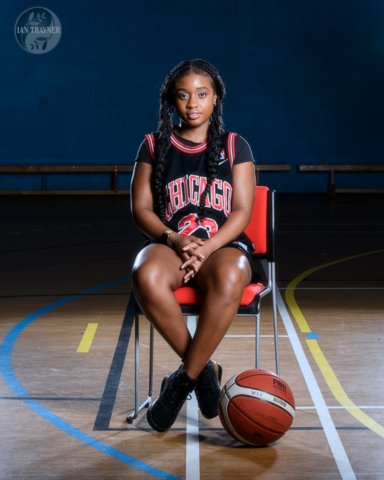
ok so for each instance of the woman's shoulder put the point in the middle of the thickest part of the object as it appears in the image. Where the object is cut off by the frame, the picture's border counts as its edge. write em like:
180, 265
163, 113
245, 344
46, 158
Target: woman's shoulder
150, 140
146, 151
238, 147
239, 138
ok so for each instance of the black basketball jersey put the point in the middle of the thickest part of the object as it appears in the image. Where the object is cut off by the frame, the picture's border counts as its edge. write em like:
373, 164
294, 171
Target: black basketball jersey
186, 178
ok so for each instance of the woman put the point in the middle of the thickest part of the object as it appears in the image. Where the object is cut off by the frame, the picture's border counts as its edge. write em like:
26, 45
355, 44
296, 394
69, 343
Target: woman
192, 194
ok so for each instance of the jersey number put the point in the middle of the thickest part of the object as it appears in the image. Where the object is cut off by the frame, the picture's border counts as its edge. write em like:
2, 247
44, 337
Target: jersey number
189, 224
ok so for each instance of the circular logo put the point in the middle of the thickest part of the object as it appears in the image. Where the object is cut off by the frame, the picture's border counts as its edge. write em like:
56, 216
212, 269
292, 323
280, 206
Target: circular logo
38, 30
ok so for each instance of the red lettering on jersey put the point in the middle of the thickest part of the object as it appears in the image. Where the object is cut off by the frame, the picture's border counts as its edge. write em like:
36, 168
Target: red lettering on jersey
193, 183
188, 190
227, 196
189, 224
217, 194
210, 226
176, 194
168, 211
203, 184
185, 190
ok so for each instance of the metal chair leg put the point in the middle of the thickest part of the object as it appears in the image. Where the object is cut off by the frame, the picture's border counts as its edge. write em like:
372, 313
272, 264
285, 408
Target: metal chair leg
275, 326
151, 355
148, 400
257, 346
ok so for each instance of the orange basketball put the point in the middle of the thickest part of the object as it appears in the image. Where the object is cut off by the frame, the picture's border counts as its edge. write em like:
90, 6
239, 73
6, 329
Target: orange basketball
256, 407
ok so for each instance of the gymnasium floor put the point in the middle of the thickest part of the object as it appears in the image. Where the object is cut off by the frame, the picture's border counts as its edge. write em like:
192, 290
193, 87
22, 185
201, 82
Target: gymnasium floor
65, 265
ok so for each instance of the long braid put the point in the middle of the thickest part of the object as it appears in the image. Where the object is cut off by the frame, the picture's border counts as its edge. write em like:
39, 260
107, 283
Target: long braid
165, 126
162, 147
163, 143
214, 146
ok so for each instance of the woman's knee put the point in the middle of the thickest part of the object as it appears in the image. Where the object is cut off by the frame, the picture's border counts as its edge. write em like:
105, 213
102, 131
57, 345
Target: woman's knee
151, 274
144, 275
148, 275
228, 281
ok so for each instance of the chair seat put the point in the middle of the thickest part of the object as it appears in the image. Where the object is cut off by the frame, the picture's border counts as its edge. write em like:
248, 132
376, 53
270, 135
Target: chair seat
192, 295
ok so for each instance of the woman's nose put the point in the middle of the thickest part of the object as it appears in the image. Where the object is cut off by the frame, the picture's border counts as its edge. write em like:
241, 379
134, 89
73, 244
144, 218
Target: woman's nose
192, 101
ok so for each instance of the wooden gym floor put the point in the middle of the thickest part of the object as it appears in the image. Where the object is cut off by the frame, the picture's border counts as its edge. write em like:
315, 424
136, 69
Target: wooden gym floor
66, 365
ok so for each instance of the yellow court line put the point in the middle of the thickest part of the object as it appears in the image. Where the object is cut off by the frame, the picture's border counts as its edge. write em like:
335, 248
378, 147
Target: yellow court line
87, 339
290, 291
338, 391
320, 359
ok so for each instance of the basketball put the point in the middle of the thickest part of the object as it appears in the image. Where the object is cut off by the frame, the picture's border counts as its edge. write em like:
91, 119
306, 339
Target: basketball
256, 407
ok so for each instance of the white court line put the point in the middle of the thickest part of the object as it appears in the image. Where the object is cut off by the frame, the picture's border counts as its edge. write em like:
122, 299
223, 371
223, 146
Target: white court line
332, 288
192, 446
342, 407
336, 446
253, 336
334, 442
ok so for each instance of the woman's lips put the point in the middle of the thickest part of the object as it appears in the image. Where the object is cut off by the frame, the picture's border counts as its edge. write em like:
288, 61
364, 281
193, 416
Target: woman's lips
193, 115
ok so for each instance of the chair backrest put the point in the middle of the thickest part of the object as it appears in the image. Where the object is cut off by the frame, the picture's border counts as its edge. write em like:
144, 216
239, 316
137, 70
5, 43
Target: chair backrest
261, 231
261, 225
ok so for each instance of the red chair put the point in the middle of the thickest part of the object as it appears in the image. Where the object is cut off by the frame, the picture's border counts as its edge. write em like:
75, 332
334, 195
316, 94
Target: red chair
261, 230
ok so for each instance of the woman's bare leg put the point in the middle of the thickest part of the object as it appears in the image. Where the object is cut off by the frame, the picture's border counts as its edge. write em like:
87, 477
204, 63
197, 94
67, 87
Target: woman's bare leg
156, 274
222, 278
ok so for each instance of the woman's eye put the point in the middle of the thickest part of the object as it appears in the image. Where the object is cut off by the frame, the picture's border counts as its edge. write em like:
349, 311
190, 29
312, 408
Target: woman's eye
202, 94
183, 96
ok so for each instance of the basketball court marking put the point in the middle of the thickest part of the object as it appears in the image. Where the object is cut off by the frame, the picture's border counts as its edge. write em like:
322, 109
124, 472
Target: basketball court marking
314, 347
87, 338
192, 445
13, 383
252, 335
333, 289
334, 441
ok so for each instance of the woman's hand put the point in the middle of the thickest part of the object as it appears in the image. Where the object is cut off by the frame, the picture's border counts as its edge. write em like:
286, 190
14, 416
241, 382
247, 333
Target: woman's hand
191, 251
195, 256
185, 246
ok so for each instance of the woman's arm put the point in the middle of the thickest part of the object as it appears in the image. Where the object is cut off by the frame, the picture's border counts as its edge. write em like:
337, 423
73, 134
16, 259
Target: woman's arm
142, 203
142, 206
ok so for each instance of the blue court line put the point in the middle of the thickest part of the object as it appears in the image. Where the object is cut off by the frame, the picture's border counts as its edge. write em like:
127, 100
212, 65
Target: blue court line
52, 399
6, 369
312, 335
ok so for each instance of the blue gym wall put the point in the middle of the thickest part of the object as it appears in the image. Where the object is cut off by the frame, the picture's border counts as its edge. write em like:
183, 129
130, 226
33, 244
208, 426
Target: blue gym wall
304, 80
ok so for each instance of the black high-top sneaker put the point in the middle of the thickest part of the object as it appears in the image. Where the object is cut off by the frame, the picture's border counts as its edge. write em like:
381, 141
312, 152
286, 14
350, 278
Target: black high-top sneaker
175, 388
208, 389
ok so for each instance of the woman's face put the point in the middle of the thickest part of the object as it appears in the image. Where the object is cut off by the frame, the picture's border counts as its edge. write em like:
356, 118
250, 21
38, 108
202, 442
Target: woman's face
195, 99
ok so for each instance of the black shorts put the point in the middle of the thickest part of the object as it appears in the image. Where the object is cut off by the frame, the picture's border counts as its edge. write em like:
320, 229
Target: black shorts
248, 252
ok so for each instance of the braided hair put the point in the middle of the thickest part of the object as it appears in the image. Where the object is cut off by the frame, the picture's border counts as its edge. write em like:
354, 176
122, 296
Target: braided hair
215, 135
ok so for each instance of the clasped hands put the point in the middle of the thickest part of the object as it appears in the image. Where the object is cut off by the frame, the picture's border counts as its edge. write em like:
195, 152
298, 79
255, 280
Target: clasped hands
193, 252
